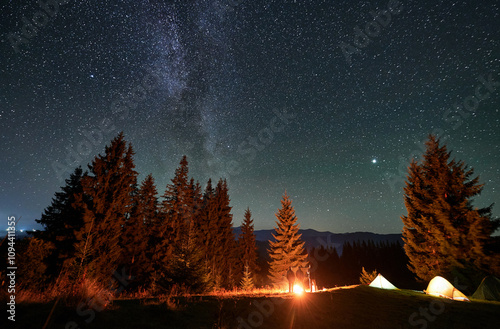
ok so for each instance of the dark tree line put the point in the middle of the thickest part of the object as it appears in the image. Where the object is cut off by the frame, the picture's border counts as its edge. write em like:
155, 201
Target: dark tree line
104, 221
330, 269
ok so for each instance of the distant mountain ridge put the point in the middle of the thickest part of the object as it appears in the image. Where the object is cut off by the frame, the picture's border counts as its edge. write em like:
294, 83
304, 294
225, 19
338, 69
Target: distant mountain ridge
313, 238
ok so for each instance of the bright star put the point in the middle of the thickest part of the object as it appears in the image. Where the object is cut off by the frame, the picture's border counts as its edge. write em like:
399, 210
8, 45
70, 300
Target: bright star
374, 161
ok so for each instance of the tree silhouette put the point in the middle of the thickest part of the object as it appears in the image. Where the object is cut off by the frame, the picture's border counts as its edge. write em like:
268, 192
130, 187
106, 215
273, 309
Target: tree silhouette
247, 281
60, 220
443, 232
247, 245
110, 187
184, 259
287, 250
136, 238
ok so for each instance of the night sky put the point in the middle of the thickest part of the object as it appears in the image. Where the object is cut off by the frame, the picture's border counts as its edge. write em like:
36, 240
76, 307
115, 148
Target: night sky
328, 100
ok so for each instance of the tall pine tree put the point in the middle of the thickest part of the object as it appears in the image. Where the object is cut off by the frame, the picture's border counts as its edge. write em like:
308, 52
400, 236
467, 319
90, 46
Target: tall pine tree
110, 187
219, 245
288, 249
443, 233
60, 220
180, 205
247, 246
136, 242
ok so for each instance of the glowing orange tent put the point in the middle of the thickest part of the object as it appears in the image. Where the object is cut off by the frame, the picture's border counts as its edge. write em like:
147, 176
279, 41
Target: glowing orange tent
441, 287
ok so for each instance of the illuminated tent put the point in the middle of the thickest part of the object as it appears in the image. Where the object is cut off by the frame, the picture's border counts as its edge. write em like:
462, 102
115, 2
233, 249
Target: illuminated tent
440, 287
381, 282
489, 289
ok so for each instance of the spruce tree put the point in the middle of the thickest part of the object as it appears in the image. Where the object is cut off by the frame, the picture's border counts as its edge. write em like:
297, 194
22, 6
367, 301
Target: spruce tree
207, 221
247, 244
137, 256
110, 188
184, 261
443, 233
60, 220
219, 245
288, 249
177, 202
225, 252
247, 281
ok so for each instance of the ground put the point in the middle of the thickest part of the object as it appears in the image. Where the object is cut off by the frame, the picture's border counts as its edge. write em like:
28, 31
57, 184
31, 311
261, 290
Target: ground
350, 307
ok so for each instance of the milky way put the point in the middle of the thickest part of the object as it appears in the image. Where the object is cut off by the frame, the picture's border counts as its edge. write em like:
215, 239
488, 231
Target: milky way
328, 100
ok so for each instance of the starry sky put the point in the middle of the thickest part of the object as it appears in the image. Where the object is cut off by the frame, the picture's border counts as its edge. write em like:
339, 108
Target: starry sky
328, 100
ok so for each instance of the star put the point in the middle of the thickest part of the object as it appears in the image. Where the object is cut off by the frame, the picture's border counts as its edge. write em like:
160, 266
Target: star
374, 161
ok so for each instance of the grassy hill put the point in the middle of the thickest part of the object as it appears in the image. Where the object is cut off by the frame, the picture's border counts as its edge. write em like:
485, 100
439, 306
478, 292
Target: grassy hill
350, 307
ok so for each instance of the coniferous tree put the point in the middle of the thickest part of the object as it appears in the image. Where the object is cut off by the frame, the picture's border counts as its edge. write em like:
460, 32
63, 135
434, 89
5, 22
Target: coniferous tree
110, 188
177, 202
161, 250
219, 245
443, 232
136, 232
247, 281
60, 220
247, 244
226, 252
33, 263
367, 277
180, 206
208, 234
288, 249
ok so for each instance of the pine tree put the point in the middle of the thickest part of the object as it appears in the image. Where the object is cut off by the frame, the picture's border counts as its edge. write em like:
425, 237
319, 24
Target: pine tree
247, 244
367, 277
207, 221
32, 263
443, 232
288, 249
184, 260
219, 245
110, 187
137, 256
60, 220
225, 252
247, 281
177, 202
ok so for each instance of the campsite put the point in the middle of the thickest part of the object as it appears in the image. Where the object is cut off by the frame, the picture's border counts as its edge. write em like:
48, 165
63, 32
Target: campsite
249, 164
347, 307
